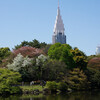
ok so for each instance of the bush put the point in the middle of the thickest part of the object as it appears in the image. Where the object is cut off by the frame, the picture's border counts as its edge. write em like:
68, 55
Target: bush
94, 77
52, 86
62, 86
8, 82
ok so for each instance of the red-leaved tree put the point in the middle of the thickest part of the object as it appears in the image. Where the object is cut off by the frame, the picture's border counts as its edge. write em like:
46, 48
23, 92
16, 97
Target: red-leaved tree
28, 51
94, 63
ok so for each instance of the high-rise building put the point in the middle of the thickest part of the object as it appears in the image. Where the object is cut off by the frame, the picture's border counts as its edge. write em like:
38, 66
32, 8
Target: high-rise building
58, 35
98, 50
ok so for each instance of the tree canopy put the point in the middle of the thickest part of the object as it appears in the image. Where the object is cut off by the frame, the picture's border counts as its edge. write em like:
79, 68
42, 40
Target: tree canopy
34, 43
4, 52
63, 53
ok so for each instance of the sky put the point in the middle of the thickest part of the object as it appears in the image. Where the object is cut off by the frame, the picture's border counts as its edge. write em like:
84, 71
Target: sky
34, 19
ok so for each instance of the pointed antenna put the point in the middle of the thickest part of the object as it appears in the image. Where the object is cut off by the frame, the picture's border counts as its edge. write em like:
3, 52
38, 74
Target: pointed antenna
58, 3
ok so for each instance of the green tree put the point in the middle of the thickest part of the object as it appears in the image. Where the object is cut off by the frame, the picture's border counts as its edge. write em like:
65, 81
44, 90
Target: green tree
8, 80
40, 61
63, 53
80, 58
4, 52
54, 70
76, 79
34, 43
93, 77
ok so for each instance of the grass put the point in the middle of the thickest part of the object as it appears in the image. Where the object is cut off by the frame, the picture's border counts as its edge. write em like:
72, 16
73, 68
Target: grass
31, 87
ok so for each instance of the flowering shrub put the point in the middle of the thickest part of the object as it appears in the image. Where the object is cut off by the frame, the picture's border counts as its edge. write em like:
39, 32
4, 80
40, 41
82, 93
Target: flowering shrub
19, 62
23, 65
41, 59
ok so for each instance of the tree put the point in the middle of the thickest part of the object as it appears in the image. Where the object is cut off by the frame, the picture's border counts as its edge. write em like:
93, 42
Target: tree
80, 58
76, 79
54, 70
40, 61
28, 51
4, 52
93, 77
34, 43
24, 66
94, 63
8, 80
63, 53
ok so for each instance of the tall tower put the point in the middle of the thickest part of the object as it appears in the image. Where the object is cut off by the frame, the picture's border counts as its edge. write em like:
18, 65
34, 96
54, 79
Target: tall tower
98, 50
58, 35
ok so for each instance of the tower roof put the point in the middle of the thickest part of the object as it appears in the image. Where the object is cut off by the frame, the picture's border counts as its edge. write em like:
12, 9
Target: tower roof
59, 26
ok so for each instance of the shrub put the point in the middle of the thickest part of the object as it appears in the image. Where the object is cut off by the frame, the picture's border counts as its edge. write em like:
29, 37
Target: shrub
8, 82
52, 86
62, 86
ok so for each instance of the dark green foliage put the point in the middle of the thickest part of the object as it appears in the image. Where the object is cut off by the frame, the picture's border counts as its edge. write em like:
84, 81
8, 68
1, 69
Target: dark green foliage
52, 86
94, 77
77, 80
8, 82
54, 70
62, 86
63, 53
46, 48
35, 43
4, 52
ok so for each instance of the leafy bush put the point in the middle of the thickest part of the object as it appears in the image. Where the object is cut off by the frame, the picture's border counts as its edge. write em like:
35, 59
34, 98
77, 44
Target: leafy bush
8, 82
62, 86
52, 86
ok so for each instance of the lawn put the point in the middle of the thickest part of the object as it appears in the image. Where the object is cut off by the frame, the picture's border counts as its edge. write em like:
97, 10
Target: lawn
33, 87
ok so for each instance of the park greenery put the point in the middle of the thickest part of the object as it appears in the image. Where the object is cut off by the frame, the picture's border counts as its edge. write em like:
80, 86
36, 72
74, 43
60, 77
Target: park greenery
61, 66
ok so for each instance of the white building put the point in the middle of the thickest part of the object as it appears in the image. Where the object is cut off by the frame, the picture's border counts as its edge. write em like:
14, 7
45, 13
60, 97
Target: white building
98, 50
59, 29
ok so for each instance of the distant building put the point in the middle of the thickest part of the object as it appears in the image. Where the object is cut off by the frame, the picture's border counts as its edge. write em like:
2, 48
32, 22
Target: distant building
59, 29
98, 50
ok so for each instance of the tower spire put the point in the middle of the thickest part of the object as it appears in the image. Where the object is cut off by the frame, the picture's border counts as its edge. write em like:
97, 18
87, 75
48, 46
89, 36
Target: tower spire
59, 29
58, 3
